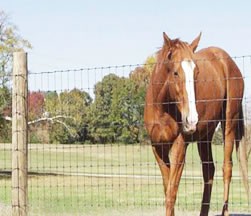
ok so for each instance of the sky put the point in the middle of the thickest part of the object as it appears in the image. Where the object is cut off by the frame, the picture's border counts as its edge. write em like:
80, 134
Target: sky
92, 33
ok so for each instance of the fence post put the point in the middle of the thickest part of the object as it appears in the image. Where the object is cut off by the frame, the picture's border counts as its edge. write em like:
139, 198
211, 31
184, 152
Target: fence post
19, 135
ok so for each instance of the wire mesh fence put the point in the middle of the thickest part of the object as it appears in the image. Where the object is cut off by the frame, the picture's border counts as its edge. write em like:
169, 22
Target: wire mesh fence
89, 153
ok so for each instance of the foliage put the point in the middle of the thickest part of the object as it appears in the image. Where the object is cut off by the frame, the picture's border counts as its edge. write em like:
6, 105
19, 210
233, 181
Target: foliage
5, 101
35, 105
117, 112
115, 115
5, 130
10, 41
127, 111
248, 139
72, 108
217, 138
51, 105
99, 116
141, 75
5, 110
58, 134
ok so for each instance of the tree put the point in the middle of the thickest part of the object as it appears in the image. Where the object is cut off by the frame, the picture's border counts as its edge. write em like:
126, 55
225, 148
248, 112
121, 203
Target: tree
117, 112
52, 105
67, 113
127, 111
35, 105
218, 137
99, 117
10, 41
5, 110
5, 101
141, 75
74, 104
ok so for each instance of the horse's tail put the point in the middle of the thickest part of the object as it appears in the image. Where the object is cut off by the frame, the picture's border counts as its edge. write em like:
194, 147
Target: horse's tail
241, 148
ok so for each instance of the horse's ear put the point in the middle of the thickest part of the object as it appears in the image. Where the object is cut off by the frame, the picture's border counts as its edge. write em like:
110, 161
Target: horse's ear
195, 43
167, 40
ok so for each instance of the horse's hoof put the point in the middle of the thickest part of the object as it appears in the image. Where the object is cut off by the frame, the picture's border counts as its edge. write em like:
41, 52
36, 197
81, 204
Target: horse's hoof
225, 213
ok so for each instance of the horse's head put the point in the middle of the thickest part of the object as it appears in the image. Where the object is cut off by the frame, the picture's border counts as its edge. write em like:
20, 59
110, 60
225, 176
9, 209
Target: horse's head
180, 68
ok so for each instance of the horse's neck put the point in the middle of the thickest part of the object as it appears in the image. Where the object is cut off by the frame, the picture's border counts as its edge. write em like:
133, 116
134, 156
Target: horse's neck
162, 113
160, 96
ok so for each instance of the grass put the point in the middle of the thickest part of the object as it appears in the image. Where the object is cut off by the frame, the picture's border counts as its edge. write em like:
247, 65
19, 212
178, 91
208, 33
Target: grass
112, 180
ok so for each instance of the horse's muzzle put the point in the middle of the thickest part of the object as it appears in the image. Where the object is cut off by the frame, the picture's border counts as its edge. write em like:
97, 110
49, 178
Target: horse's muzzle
189, 124
189, 128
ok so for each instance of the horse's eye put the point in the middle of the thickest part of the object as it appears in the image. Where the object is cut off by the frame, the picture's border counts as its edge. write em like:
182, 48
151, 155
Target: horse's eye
176, 73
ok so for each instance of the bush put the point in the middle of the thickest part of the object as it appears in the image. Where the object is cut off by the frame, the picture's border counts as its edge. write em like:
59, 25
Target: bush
218, 138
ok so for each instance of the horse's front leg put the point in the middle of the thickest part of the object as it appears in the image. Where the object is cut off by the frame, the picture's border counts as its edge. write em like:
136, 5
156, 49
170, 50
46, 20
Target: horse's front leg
177, 161
161, 153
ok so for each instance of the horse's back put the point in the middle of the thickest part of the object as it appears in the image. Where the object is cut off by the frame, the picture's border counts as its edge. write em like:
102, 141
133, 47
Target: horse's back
221, 65
218, 57
211, 52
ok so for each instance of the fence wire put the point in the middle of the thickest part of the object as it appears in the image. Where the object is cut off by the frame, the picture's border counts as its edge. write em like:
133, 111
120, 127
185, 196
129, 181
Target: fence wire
89, 153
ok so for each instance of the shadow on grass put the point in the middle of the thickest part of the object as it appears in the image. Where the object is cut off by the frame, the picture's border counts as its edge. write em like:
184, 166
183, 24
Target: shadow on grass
235, 214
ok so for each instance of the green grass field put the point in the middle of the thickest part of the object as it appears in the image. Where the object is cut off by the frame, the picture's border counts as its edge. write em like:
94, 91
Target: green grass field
112, 180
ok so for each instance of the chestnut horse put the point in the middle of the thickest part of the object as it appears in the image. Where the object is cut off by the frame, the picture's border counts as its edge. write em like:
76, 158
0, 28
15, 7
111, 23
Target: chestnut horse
188, 95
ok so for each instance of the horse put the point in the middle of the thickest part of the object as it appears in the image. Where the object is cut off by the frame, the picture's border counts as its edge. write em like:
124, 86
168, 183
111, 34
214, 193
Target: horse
188, 95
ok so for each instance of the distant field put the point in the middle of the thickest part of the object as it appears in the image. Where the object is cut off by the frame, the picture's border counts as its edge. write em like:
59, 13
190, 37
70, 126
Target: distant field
111, 180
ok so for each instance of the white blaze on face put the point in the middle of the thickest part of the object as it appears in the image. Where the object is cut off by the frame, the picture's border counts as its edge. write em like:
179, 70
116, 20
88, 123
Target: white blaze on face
188, 67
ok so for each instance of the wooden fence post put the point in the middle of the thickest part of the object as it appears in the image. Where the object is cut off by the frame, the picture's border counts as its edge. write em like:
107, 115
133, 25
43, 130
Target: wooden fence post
19, 135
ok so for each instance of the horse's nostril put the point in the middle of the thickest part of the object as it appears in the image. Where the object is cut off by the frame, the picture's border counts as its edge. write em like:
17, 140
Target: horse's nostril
191, 120
189, 129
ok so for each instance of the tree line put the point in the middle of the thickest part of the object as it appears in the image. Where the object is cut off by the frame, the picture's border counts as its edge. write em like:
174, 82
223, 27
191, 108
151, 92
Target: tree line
114, 115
